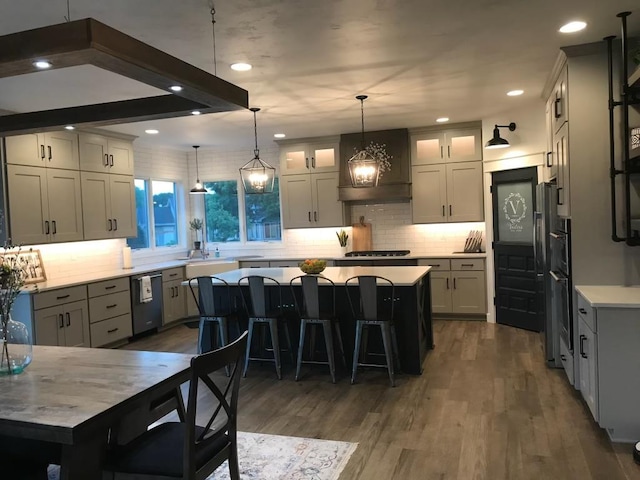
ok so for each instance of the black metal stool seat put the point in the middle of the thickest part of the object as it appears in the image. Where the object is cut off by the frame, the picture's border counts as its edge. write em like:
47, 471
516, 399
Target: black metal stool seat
310, 314
254, 298
375, 307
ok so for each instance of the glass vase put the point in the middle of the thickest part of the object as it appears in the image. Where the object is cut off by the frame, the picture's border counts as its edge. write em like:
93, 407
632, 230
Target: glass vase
16, 349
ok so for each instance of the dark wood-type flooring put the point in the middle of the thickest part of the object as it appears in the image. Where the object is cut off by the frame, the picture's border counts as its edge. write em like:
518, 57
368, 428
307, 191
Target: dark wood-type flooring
486, 407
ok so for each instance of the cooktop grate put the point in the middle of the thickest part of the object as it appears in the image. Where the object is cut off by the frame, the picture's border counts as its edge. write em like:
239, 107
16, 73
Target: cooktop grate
378, 253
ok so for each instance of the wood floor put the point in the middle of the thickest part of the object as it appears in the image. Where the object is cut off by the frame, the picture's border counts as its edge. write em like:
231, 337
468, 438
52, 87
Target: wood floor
486, 407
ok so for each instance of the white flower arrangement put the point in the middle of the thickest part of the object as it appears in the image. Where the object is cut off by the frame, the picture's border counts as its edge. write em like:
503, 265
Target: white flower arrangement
379, 152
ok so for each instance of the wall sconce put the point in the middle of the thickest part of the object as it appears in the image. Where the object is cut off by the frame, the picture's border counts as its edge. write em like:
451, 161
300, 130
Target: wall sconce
497, 141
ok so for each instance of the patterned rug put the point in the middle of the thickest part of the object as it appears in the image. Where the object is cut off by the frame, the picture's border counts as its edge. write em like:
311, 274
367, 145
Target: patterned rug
276, 457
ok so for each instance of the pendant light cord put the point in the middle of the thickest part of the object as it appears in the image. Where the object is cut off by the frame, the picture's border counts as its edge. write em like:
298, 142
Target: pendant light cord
362, 114
256, 152
213, 31
197, 170
68, 17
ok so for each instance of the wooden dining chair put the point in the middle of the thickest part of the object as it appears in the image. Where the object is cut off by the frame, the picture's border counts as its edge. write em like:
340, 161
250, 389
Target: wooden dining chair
186, 450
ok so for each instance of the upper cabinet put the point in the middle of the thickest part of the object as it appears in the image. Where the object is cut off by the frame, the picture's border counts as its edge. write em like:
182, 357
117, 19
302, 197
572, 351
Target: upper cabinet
51, 149
104, 154
560, 99
109, 206
444, 146
309, 156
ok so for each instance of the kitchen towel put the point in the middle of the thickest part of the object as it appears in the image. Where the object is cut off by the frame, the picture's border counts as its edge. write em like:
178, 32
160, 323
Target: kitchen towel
146, 295
126, 258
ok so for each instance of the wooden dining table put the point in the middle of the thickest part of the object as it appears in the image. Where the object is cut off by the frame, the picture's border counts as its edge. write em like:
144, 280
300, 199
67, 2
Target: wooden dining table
73, 396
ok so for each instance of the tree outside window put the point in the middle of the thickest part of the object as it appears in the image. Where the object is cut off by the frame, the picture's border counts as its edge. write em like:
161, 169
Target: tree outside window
221, 211
262, 215
165, 215
142, 213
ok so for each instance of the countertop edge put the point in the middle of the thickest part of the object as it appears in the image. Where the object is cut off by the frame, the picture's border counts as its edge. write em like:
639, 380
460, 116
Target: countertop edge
619, 295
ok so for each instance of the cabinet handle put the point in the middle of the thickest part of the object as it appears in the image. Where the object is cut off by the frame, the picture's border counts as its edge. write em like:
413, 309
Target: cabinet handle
313, 162
110, 287
62, 297
49, 150
447, 284
309, 216
443, 212
177, 291
113, 330
435, 265
563, 358
111, 160
454, 284
68, 319
55, 229
173, 274
558, 194
110, 225
315, 216
449, 151
582, 339
557, 108
466, 264
112, 306
582, 311
450, 210
106, 160
549, 162
441, 151
115, 224
61, 324
46, 227
306, 162
42, 152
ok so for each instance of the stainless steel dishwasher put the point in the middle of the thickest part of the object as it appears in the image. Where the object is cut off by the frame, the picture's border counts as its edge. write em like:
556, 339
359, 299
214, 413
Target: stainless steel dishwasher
146, 316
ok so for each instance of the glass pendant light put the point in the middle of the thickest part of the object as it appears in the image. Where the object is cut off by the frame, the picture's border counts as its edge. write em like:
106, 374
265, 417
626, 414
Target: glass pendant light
198, 187
257, 175
364, 169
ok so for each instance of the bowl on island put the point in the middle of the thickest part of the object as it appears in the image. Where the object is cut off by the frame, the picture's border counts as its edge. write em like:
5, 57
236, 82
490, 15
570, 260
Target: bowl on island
313, 266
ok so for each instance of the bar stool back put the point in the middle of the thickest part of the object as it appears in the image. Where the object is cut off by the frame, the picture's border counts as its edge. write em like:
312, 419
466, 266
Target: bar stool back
375, 306
214, 305
310, 314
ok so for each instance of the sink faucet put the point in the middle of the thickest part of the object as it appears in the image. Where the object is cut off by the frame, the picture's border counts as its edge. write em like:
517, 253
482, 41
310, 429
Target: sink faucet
202, 252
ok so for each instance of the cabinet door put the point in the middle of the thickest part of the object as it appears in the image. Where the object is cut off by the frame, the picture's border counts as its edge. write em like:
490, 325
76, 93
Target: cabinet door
49, 326
297, 206
560, 106
173, 304
551, 159
65, 205
28, 204
327, 209
464, 192
62, 150
76, 324
96, 205
123, 206
463, 145
180, 300
429, 194
324, 157
561, 152
94, 155
120, 156
441, 292
588, 360
468, 294
26, 149
294, 159
427, 148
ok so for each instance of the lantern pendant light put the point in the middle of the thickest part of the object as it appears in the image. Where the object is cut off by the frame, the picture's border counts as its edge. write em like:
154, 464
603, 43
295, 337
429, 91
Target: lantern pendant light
364, 169
198, 187
257, 175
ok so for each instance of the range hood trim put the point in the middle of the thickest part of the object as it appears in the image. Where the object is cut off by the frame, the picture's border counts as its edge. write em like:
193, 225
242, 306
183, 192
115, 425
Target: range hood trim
88, 41
395, 192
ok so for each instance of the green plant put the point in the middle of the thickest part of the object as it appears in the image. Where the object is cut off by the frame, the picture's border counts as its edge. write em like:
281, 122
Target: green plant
342, 237
196, 225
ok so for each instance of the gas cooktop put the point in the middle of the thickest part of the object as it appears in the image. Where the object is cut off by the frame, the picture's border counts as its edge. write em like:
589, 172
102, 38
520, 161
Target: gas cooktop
378, 253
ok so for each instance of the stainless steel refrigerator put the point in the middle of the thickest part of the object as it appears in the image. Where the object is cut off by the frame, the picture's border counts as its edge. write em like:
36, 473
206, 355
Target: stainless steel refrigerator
545, 218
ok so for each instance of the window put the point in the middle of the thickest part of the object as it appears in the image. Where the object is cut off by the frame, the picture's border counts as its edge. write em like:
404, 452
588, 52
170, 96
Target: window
157, 226
222, 213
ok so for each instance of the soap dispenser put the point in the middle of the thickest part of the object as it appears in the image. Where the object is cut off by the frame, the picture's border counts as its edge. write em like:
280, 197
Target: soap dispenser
217, 253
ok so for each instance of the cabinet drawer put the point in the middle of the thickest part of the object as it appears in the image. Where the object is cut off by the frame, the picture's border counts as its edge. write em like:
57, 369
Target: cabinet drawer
173, 274
111, 330
254, 264
467, 264
58, 297
108, 286
436, 263
587, 312
107, 306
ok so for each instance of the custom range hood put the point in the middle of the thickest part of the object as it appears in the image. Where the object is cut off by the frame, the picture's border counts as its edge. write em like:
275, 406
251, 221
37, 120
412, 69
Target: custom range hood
89, 42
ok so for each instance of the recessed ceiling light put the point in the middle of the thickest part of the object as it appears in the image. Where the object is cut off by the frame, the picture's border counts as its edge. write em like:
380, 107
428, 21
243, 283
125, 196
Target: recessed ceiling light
196, 112
279, 135
42, 64
175, 88
572, 27
241, 67
152, 131
442, 119
70, 127
515, 93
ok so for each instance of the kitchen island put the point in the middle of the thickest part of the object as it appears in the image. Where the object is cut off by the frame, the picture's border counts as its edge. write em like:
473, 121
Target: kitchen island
412, 307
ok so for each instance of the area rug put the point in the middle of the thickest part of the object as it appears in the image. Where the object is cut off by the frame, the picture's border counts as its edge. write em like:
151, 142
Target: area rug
277, 457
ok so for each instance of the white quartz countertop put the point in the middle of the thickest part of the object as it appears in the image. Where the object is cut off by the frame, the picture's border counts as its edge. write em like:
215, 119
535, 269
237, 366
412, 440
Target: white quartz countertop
401, 276
356, 259
611, 296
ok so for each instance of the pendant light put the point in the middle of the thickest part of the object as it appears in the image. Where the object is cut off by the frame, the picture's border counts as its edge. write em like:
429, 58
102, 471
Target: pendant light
364, 169
257, 175
198, 187
497, 141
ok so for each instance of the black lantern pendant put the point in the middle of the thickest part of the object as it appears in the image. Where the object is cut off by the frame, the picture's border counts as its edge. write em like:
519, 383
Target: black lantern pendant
257, 175
364, 169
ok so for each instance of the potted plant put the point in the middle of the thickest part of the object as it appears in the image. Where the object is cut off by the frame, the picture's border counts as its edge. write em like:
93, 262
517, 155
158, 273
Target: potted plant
196, 226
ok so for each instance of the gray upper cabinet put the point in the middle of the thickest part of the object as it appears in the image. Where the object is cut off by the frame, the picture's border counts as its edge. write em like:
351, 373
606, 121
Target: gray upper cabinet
104, 154
311, 201
429, 192
45, 205
51, 149
444, 146
560, 99
109, 206
313, 155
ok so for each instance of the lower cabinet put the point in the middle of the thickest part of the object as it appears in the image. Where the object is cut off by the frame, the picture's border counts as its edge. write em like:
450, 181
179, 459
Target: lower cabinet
61, 317
588, 361
174, 306
110, 311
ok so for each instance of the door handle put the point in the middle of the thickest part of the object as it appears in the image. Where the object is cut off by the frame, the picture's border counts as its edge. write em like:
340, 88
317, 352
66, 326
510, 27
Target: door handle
556, 277
558, 194
557, 108
106, 160
582, 339
42, 152
68, 319
549, 163
46, 227
111, 160
115, 224
61, 324
315, 216
447, 284
55, 229
49, 150
582, 311
110, 225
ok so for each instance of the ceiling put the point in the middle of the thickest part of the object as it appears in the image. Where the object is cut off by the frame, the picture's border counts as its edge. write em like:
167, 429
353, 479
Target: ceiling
416, 59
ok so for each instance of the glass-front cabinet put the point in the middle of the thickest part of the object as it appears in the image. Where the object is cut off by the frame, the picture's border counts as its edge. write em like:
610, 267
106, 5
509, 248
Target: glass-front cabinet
315, 155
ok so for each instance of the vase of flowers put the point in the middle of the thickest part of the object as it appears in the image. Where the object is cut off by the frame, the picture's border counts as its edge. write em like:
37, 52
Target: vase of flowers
16, 350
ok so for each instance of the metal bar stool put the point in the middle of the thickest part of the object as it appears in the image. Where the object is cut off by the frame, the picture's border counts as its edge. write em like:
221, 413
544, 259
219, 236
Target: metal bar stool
310, 314
375, 307
253, 289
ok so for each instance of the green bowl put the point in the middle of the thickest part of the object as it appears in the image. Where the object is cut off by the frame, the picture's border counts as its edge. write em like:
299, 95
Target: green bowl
313, 268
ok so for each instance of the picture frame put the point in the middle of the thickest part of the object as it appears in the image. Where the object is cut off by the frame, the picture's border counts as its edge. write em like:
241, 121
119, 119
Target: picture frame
31, 263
